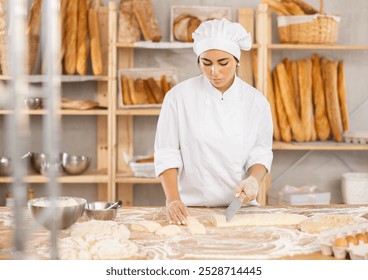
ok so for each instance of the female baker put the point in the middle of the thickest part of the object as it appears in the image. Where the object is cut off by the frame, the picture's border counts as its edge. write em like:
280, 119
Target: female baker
214, 133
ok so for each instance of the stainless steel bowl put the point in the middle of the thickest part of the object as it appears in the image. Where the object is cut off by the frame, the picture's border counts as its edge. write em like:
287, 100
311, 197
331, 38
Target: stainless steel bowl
33, 103
40, 162
97, 211
75, 165
67, 211
6, 167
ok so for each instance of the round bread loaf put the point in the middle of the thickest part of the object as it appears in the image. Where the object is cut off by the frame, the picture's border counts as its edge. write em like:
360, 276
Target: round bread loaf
184, 26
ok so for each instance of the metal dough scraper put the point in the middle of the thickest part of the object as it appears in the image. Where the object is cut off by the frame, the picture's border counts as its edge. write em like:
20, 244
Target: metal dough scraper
234, 206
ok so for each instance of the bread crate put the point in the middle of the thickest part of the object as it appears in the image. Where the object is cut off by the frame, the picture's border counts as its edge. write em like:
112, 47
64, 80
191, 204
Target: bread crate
202, 13
131, 78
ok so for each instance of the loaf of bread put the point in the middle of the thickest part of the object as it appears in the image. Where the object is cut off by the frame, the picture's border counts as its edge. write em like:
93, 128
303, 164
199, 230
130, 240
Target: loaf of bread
277, 7
295, 91
272, 101
308, 9
139, 96
145, 14
184, 26
82, 39
284, 125
94, 35
34, 33
289, 104
329, 70
129, 31
295, 82
293, 8
63, 7
150, 97
165, 86
319, 98
341, 86
71, 28
306, 102
125, 90
131, 90
75, 104
156, 90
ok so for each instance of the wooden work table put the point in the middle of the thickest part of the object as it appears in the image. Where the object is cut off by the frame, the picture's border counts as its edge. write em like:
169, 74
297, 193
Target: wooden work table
261, 242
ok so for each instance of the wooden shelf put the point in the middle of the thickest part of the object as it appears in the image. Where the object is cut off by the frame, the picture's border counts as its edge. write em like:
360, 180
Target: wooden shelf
316, 47
139, 112
93, 176
64, 78
321, 146
98, 112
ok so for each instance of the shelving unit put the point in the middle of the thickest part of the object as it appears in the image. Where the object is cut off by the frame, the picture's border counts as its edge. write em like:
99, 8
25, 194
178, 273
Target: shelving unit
101, 175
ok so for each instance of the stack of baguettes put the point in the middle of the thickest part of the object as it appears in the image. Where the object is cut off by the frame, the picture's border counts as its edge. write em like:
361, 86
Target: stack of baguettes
139, 91
138, 17
80, 37
291, 7
308, 100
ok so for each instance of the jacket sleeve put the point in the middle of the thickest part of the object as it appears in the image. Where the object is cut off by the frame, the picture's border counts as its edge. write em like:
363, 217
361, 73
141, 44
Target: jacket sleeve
167, 145
262, 150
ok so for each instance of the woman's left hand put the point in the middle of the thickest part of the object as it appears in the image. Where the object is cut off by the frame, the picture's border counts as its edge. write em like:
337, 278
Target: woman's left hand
247, 189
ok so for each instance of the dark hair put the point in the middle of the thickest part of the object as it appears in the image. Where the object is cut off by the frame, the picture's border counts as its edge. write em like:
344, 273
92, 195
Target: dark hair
237, 60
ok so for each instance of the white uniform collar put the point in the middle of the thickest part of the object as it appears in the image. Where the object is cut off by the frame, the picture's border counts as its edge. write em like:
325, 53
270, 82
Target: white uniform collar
232, 93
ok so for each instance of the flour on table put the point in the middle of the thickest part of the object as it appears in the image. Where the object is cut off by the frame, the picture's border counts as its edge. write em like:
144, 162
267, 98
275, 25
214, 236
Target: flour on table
100, 228
194, 226
145, 226
169, 230
269, 219
319, 223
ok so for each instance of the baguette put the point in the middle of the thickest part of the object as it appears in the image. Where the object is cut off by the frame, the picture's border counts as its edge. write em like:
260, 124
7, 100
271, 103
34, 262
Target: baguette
131, 90
342, 96
308, 9
306, 102
281, 114
125, 90
289, 104
272, 101
295, 82
156, 90
71, 26
329, 69
82, 39
293, 8
129, 31
277, 7
164, 84
63, 7
34, 33
94, 33
146, 17
139, 97
319, 98
150, 97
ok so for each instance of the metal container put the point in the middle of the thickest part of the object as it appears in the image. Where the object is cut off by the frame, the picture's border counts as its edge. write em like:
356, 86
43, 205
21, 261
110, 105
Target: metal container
97, 211
6, 168
75, 165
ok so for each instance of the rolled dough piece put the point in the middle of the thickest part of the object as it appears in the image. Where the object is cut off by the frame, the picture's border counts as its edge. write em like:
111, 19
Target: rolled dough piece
195, 227
100, 228
169, 230
319, 223
269, 219
145, 226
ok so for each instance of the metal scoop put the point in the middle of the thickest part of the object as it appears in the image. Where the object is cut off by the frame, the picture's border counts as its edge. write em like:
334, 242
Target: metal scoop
115, 205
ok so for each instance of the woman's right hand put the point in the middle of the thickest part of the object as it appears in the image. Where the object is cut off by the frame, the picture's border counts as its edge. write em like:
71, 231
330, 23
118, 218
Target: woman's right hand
176, 212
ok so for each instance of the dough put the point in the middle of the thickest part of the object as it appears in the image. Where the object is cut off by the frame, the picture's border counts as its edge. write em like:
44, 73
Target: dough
195, 227
100, 228
169, 230
145, 226
319, 223
273, 219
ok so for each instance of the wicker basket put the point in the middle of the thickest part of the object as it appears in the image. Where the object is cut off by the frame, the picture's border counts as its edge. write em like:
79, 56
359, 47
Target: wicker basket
309, 29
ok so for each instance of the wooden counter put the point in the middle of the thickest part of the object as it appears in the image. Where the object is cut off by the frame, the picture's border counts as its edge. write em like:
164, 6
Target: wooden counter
261, 242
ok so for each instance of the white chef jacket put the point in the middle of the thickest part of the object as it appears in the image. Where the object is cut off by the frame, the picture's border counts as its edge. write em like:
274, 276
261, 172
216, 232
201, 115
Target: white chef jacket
212, 138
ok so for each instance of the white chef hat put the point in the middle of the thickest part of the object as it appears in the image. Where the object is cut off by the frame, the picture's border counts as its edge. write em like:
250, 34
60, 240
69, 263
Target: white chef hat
222, 35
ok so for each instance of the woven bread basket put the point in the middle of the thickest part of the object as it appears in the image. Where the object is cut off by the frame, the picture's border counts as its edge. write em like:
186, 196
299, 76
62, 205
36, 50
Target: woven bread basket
319, 28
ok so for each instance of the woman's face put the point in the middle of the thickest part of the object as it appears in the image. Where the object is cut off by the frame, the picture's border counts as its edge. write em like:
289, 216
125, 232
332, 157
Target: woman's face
219, 67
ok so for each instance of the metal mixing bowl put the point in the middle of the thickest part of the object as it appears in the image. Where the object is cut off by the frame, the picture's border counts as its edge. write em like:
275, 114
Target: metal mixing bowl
33, 103
40, 162
75, 165
67, 211
97, 211
6, 168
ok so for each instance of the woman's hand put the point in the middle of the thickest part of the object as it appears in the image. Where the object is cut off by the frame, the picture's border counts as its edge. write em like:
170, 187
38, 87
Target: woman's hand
247, 189
176, 212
